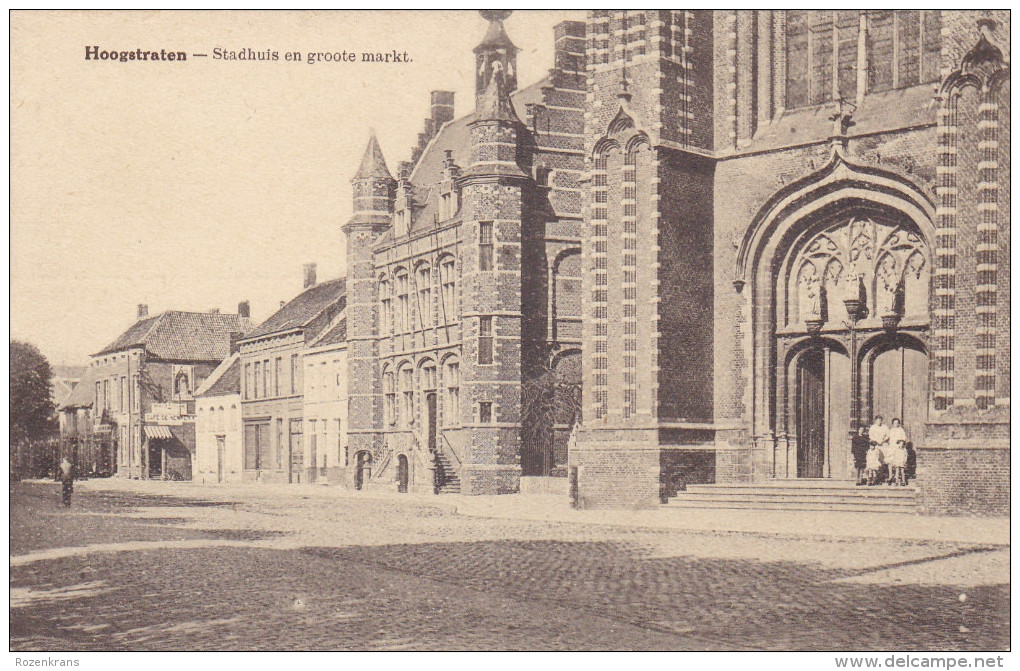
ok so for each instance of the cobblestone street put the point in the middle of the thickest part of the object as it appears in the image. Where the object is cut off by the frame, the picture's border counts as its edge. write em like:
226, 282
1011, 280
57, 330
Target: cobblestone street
155, 566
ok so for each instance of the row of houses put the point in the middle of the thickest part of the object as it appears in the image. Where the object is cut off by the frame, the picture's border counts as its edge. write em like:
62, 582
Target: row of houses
208, 396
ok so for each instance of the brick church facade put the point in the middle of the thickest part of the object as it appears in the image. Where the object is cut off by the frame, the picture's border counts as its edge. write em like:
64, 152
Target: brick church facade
737, 236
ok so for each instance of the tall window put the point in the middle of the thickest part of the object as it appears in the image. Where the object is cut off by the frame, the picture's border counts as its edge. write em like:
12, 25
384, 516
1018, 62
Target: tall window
485, 340
390, 395
279, 443
385, 308
277, 366
448, 278
293, 373
485, 412
451, 379
403, 304
121, 405
137, 400
310, 380
485, 245
106, 394
407, 395
424, 280
258, 378
265, 378
902, 49
221, 417
247, 380
428, 377
99, 397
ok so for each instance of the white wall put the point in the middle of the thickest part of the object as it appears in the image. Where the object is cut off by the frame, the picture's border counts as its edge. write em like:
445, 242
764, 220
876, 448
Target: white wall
210, 423
325, 399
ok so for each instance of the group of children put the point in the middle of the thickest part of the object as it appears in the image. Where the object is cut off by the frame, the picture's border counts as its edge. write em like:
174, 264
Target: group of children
881, 455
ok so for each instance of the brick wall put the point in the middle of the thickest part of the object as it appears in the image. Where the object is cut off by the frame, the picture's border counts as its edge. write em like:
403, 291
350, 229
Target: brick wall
963, 481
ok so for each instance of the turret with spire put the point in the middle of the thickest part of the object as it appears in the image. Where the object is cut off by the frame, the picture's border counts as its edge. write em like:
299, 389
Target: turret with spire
374, 188
495, 54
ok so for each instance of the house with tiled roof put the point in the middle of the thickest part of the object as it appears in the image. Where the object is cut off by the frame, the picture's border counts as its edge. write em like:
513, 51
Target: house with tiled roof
219, 453
141, 389
272, 383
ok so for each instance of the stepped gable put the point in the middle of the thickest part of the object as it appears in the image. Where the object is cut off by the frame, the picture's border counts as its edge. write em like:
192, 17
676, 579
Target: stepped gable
303, 309
182, 336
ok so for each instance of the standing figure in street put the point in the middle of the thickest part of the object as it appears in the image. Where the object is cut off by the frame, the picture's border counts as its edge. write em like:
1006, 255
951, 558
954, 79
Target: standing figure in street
859, 445
67, 482
878, 435
897, 458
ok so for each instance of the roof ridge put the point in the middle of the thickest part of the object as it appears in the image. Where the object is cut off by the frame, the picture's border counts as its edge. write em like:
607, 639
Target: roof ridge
217, 373
341, 316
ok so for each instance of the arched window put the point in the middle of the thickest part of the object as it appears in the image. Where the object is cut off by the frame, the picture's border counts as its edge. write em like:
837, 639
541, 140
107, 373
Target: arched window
220, 419
385, 307
406, 380
423, 283
403, 302
451, 384
448, 279
390, 396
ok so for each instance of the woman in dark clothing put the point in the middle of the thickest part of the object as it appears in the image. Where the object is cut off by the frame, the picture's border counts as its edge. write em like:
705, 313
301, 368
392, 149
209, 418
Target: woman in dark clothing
859, 449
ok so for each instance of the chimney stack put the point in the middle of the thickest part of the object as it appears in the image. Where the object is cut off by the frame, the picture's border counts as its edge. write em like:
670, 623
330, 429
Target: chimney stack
143, 310
214, 311
244, 309
309, 275
441, 109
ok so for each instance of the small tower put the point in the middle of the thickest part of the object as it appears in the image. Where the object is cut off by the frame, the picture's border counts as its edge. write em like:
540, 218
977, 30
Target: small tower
373, 214
493, 193
495, 53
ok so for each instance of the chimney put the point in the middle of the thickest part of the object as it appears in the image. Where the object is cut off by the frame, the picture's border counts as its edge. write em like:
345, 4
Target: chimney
309, 275
214, 311
442, 108
244, 309
234, 337
143, 310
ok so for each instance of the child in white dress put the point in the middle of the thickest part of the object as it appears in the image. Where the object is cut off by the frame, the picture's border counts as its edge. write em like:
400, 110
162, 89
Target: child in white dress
897, 458
873, 464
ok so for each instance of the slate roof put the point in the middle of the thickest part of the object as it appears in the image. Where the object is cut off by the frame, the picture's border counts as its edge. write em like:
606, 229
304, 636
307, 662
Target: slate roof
302, 309
223, 381
182, 336
333, 336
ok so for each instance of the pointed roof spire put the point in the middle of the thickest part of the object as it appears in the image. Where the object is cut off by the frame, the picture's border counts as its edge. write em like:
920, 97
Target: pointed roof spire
373, 165
495, 36
494, 103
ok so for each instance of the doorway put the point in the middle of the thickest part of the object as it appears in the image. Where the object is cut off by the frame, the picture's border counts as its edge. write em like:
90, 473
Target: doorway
811, 415
402, 474
432, 433
220, 450
898, 385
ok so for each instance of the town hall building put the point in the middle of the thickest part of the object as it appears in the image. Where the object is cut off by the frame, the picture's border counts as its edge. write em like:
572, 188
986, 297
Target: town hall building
735, 236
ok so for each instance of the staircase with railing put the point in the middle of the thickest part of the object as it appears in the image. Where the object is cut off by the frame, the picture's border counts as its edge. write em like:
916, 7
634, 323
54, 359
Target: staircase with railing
448, 467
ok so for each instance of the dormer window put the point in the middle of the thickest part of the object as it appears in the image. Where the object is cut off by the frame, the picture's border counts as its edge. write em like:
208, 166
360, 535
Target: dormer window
401, 221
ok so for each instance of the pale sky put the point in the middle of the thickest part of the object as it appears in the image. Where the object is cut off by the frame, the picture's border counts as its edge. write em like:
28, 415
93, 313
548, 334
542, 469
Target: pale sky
197, 185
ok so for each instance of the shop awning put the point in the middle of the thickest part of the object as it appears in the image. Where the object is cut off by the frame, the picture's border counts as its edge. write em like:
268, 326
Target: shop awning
158, 432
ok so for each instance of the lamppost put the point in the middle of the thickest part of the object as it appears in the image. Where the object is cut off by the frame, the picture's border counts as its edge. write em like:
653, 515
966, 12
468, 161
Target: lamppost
856, 309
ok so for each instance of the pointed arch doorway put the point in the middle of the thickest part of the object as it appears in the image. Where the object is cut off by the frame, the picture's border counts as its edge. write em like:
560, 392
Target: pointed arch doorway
831, 365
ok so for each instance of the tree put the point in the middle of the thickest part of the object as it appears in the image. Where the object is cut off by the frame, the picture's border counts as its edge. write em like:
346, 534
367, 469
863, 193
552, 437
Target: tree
550, 396
32, 412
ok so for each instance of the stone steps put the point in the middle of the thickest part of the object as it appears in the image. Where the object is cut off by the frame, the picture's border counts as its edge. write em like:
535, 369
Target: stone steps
799, 495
